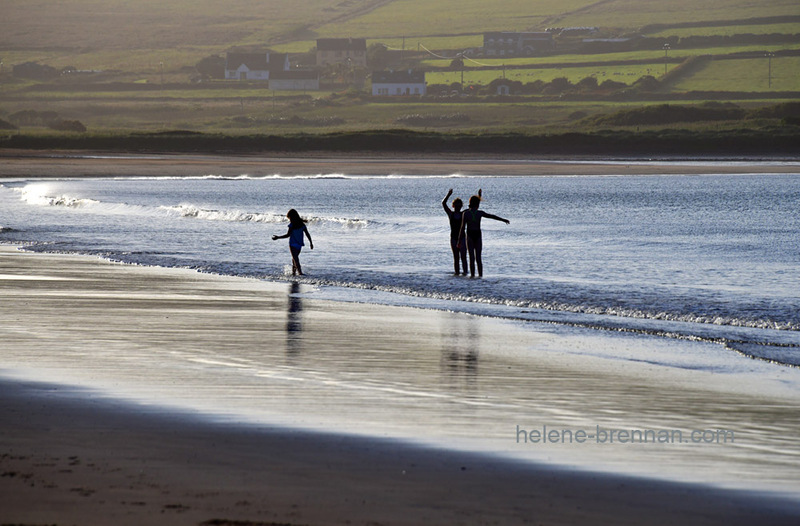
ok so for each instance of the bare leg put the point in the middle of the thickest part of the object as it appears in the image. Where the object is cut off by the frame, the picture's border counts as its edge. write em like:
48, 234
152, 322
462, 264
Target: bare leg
477, 243
455, 255
296, 269
471, 249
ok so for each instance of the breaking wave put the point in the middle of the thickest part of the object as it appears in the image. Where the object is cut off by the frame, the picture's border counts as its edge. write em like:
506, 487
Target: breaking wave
195, 212
281, 177
37, 194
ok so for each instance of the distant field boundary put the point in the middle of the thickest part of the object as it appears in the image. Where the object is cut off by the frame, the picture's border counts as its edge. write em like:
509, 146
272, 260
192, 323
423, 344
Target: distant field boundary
758, 21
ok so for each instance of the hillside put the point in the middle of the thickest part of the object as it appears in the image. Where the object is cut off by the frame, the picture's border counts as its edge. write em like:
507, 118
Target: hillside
137, 64
119, 34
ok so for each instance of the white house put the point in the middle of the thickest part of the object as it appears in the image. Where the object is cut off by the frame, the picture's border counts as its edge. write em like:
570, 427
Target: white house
254, 66
394, 83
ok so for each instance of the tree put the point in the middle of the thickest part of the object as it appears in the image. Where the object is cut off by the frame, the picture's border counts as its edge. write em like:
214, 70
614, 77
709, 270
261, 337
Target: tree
587, 84
32, 70
377, 57
646, 83
212, 67
557, 85
67, 125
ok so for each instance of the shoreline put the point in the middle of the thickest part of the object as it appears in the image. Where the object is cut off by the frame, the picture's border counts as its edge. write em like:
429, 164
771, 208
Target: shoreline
84, 456
69, 164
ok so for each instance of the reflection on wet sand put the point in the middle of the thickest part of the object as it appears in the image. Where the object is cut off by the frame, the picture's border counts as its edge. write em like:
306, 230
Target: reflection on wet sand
246, 350
294, 320
461, 344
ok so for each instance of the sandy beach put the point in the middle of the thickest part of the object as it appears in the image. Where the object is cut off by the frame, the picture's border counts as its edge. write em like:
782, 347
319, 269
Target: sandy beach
78, 448
87, 164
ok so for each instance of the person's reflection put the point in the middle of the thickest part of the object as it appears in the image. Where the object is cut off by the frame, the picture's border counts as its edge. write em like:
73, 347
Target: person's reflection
460, 350
294, 320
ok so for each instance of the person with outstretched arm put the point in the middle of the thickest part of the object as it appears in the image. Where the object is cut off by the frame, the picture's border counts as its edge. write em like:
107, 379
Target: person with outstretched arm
471, 232
297, 227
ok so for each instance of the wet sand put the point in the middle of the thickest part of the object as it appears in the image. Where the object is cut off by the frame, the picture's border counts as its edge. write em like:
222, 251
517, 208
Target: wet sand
68, 458
82, 456
14, 163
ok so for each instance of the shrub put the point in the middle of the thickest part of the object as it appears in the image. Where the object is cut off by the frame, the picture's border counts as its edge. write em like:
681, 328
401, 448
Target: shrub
67, 125
779, 111
33, 118
419, 119
32, 70
212, 67
646, 83
612, 85
557, 85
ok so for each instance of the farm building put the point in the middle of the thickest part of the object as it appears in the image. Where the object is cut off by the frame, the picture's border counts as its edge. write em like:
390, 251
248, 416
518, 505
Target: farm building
254, 66
351, 51
394, 83
295, 80
506, 43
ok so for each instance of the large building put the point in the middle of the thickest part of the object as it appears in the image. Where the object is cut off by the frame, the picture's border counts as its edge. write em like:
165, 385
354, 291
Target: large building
509, 44
350, 51
395, 83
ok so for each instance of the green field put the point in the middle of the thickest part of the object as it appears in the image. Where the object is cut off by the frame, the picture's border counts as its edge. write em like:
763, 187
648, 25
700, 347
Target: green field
746, 75
147, 51
729, 30
138, 36
628, 13
420, 17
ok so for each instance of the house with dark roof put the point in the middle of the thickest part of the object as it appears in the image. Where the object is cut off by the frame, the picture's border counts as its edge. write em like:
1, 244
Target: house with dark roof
350, 51
510, 44
394, 83
254, 66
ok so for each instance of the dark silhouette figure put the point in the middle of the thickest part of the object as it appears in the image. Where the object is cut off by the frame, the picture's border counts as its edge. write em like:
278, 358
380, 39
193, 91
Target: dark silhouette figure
456, 228
471, 232
297, 227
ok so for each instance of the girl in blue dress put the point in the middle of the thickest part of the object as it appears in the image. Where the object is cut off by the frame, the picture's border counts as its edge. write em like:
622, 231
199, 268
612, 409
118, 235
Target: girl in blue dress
297, 227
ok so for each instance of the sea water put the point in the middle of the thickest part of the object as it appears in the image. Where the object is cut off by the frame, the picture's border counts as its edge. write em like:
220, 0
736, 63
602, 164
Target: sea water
709, 257
684, 272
